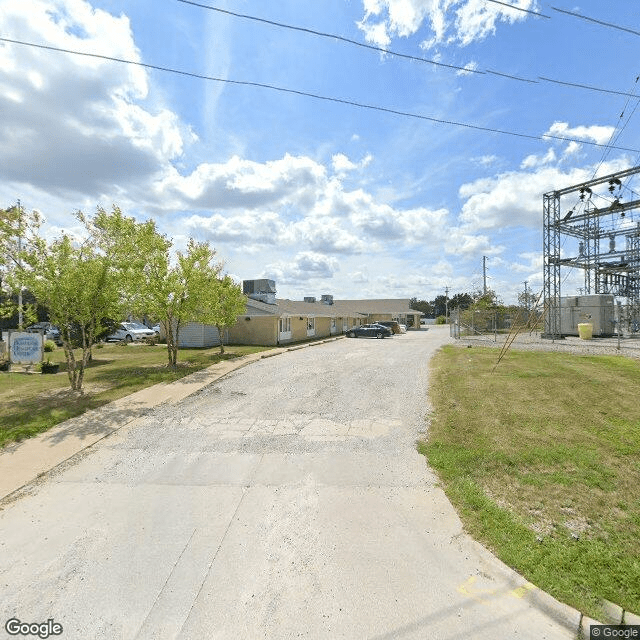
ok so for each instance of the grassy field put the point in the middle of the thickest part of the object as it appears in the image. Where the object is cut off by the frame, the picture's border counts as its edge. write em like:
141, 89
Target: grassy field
542, 461
32, 403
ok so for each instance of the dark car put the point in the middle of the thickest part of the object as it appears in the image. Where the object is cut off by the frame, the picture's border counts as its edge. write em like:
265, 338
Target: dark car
369, 331
48, 331
394, 325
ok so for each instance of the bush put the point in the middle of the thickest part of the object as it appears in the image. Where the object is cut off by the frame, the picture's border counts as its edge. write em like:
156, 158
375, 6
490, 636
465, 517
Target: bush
49, 346
441, 320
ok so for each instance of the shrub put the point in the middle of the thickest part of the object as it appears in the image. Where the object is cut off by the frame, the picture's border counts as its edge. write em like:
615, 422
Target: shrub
49, 346
441, 320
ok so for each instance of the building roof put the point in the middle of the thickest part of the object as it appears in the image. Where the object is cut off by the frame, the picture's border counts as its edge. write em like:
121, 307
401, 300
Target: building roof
339, 308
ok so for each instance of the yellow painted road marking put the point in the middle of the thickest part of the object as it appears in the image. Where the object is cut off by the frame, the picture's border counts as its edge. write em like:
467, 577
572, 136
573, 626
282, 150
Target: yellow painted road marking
481, 595
522, 591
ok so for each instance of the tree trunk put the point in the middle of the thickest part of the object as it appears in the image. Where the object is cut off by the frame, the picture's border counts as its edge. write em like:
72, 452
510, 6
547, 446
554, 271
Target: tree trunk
221, 337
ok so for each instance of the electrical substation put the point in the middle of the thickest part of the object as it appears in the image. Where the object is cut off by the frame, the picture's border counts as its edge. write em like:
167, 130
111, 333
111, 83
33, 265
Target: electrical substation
595, 227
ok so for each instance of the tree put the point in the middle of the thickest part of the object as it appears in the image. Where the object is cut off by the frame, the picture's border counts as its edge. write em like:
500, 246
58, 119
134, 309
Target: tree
461, 301
528, 300
440, 306
228, 304
486, 300
189, 294
80, 287
18, 231
422, 305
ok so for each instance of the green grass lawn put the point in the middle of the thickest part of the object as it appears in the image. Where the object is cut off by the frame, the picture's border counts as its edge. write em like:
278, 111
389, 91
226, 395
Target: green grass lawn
542, 461
33, 403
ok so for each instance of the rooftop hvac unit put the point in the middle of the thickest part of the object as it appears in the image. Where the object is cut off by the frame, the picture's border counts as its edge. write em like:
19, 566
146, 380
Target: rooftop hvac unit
263, 290
326, 299
309, 298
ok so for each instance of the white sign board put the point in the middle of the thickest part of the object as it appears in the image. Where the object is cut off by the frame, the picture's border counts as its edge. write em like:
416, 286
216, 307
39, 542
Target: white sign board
25, 348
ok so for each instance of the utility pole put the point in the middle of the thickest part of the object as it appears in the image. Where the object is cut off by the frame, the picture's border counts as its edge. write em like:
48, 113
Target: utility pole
446, 305
484, 274
19, 264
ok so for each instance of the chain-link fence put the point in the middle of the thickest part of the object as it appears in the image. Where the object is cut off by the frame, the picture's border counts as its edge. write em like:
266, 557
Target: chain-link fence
492, 322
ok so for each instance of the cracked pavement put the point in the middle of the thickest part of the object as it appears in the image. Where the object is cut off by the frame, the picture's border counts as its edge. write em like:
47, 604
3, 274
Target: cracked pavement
285, 500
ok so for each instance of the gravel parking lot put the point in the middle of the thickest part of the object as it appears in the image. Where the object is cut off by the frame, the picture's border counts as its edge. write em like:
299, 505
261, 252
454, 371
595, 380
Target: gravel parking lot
285, 500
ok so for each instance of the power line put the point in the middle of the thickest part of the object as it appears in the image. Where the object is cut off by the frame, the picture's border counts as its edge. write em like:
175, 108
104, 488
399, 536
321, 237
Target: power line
331, 36
511, 6
590, 87
507, 75
307, 94
600, 22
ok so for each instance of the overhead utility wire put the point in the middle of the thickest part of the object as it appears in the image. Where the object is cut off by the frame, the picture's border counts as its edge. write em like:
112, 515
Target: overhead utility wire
511, 6
569, 13
403, 55
317, 96
331, 36
591, 88
601, 22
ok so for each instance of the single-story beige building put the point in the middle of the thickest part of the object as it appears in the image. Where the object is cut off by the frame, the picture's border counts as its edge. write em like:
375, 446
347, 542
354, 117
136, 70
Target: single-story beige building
269, 321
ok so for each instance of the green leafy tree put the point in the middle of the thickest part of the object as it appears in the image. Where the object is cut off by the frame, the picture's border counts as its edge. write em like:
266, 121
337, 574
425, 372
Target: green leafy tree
18, 232
80, 287
422, 305
176, 291
461, 301
229, 302
486, 300
191, 292
528, 300
440, 306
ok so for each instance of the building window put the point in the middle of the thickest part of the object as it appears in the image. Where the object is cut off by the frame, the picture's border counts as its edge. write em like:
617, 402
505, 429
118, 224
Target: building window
285, 325
311, 324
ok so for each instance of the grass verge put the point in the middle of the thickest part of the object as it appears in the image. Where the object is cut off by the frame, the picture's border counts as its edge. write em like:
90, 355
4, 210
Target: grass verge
31, 404
542, 461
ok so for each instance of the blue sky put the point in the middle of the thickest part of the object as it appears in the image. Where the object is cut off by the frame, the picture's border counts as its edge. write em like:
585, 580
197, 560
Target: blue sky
320, 196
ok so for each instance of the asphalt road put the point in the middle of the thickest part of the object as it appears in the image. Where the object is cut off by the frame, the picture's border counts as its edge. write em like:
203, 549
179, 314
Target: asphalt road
287, 500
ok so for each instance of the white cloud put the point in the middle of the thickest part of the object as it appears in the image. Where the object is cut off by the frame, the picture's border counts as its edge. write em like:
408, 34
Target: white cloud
537, 161
342, 165
487, 160
596, 133
514, 198
469, 67
80, 117
305, 266
449, 21
240, 183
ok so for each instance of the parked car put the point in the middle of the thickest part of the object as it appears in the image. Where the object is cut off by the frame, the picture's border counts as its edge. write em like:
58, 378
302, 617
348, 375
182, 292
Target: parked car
156, 329
148, 331
369, 331
130, 332
391, 324
49, 331
403, 328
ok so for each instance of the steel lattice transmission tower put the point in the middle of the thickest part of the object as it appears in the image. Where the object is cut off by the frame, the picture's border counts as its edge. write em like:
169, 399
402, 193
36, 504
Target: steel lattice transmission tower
598, 233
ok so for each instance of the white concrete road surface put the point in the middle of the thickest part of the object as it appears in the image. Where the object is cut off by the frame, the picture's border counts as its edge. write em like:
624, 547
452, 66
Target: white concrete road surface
286, 500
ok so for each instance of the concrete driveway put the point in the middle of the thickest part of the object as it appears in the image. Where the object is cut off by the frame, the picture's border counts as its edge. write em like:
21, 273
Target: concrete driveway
287, 500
